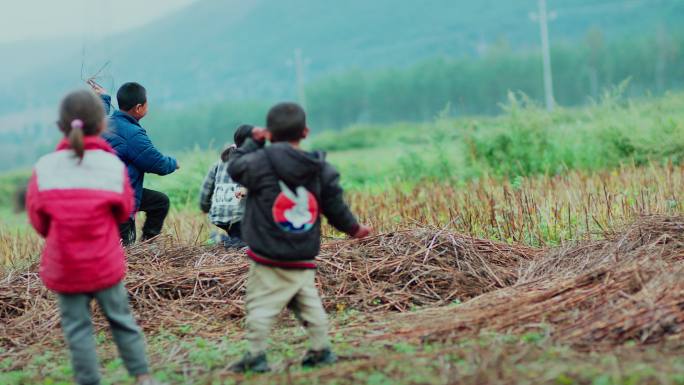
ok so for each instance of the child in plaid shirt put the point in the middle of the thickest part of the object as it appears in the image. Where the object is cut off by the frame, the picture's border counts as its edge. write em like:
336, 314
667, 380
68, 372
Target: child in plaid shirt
222, 198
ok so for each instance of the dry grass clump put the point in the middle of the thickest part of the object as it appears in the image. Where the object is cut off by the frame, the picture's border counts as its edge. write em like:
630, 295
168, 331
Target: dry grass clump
592, 294
18, 247
172, 285
402, 269
628, 287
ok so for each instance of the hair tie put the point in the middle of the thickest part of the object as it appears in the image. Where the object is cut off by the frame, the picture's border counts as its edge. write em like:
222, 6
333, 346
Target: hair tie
77, 123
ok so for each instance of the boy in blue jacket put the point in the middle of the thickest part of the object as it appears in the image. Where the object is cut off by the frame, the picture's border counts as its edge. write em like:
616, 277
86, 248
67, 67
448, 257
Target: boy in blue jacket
131, 143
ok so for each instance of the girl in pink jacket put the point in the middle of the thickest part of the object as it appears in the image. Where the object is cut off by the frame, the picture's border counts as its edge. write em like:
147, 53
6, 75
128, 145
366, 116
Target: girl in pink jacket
76, 199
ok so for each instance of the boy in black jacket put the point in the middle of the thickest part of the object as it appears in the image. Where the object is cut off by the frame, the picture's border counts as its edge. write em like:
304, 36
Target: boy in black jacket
288, 190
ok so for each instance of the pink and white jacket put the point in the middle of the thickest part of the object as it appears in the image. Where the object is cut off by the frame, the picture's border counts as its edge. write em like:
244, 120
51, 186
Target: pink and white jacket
77, 207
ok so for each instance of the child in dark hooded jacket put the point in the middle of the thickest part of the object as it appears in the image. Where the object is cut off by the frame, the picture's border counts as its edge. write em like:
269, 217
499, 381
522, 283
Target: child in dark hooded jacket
288, 189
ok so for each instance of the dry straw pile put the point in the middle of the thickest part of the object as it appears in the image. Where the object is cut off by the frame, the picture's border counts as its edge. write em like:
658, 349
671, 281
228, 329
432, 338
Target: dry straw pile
173, 285
627, 287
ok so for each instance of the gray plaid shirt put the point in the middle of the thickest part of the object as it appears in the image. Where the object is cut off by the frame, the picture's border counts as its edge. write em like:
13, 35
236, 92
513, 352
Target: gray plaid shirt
218, 196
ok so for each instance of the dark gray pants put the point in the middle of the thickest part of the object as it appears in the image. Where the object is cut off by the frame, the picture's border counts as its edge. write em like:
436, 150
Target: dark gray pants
78, 331
156, 206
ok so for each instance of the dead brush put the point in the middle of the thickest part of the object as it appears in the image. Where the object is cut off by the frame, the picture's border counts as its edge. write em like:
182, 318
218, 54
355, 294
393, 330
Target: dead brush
173, 285
593, 294
626, 288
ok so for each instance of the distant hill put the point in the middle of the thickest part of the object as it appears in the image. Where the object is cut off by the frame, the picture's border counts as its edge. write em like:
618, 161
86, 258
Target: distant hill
217, 63
237, 49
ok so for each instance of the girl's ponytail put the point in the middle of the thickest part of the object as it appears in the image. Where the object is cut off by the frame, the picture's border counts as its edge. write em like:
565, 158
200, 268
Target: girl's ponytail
76, 138
81, 114
241, 134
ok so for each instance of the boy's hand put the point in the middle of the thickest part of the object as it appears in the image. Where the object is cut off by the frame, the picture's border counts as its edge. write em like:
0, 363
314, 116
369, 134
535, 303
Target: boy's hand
260, 134
362, 232
96, 87
241, 193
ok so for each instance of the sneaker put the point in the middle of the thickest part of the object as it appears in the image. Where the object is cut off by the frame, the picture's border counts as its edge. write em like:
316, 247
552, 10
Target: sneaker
218, 238
234, 243
319, 357
251, 363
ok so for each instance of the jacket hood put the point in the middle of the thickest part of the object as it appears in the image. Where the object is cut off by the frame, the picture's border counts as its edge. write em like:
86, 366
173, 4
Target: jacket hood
294, 166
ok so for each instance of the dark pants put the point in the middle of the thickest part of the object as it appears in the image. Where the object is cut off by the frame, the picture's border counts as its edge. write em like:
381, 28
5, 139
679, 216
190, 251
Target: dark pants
233, 231
156, 207
78, 329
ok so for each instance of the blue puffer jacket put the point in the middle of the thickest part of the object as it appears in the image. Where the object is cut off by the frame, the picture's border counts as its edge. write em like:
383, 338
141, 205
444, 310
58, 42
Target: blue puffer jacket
135, 149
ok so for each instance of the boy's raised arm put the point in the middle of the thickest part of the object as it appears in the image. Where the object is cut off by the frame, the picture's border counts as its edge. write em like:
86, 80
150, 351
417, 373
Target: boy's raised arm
241, 159
106, 99
107, 102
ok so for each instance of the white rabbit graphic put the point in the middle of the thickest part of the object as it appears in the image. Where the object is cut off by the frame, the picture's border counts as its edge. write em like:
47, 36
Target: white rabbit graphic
299, 215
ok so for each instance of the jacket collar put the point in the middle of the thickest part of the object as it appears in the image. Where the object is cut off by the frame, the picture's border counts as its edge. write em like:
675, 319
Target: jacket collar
118, 114
89, 143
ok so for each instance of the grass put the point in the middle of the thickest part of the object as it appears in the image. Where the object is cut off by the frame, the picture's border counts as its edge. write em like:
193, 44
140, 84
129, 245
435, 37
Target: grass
182, 357
8, 189
541, 210
19, 246
535, 211
524, 141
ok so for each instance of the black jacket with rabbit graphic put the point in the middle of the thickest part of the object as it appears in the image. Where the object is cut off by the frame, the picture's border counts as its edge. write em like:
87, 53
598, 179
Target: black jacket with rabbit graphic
288, 190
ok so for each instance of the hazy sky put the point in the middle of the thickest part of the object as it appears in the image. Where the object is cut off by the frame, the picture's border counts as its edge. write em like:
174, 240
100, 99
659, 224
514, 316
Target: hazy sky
42, 19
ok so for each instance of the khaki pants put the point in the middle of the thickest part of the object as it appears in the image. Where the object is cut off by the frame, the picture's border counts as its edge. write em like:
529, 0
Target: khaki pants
270, 290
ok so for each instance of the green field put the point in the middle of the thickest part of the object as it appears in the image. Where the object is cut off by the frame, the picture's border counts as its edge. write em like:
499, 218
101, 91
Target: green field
524, 141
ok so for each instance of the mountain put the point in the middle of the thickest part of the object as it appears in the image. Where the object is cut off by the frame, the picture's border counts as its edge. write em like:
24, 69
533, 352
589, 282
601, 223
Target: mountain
217, 63
215, 50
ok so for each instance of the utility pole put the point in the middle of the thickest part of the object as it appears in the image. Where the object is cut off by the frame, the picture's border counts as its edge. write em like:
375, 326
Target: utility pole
543, 18
299, 63
661, 59
299, 69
